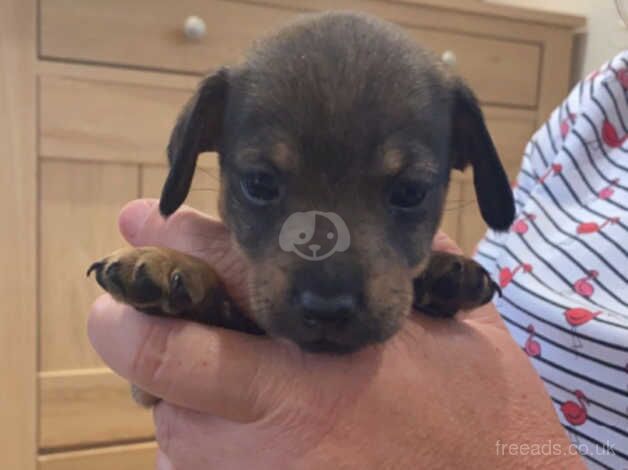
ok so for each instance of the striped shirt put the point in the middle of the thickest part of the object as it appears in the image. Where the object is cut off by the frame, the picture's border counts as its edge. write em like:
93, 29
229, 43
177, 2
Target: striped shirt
563, 265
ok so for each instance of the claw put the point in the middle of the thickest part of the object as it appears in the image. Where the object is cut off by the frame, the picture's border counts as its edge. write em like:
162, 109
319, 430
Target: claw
178, 291
95, 266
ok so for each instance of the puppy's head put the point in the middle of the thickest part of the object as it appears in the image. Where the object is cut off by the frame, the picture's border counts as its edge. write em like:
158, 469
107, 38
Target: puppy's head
336, 138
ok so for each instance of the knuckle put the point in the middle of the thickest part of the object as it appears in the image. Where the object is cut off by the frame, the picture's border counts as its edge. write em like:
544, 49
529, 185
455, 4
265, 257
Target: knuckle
184, 217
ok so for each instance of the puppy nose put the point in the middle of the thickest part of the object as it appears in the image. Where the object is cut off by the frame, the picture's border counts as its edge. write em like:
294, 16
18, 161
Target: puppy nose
334, 309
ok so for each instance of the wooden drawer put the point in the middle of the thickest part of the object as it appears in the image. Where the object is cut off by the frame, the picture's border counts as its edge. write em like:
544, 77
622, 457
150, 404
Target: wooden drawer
87, 407
499, 71
150, 35
131, 457
92, 119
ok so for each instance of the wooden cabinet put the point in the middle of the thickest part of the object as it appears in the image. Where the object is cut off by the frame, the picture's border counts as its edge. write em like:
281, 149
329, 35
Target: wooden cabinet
89, 91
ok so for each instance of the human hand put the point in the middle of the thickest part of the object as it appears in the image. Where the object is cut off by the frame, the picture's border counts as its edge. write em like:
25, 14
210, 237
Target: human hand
439, 394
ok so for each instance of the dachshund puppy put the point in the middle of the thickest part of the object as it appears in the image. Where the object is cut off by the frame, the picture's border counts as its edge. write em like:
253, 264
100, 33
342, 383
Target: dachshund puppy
336, 137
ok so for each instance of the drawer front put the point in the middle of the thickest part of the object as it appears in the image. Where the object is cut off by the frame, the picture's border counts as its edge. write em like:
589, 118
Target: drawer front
499, 71
84, 407
151, 35
90, 119
131, 457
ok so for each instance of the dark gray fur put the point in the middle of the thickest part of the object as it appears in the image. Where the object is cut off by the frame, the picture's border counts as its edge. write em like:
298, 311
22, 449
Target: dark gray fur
337, 90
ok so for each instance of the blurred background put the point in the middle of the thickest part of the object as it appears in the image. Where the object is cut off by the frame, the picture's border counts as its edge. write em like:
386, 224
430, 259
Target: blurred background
89, 91
605, 33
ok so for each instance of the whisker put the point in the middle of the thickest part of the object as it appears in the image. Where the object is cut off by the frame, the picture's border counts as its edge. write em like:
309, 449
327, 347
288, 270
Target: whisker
215, 190
209, 173
459, 206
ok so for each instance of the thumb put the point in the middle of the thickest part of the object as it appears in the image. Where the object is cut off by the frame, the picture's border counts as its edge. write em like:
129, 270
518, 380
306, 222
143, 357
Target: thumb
443, 242
187, 230
212, 370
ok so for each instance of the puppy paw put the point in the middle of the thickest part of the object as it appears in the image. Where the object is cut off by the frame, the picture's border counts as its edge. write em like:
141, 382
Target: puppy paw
452, 283
158, 280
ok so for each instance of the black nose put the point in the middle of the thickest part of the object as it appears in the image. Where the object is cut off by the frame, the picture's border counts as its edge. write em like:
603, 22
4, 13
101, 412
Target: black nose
329, 309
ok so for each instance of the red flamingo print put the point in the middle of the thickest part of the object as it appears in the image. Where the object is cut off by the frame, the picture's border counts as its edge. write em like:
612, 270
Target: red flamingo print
565, 125
520, 226
608, 191
532, 347
579, 316
610, 135
592, 227
506, 275
583, 286
575, 413
576, 317
554, 169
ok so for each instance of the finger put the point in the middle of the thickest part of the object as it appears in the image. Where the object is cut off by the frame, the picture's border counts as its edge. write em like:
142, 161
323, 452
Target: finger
183, 435
163, 462
191, 232
442, 242
213, 370
486, 315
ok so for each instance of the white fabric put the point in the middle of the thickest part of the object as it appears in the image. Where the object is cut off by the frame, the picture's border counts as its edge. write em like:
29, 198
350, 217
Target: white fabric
563, 265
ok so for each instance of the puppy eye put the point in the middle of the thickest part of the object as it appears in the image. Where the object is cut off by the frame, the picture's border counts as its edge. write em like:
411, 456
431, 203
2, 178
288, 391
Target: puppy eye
406, 195
260, 187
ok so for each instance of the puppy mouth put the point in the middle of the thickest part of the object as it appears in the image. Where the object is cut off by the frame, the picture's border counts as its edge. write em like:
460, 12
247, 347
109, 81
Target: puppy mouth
324, 345
344, 341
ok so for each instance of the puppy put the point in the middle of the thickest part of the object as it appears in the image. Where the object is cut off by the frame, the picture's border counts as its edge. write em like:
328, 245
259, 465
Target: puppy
336, 137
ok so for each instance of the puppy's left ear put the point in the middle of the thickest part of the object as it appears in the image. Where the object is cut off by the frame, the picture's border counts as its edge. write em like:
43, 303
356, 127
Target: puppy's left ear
471, 143
198, 129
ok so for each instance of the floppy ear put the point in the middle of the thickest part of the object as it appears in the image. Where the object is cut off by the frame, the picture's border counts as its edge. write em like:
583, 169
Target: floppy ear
471, 143
198, 129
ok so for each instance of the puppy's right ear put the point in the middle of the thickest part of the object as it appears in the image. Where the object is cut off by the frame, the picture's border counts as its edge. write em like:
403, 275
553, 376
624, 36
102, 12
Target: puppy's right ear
197, 130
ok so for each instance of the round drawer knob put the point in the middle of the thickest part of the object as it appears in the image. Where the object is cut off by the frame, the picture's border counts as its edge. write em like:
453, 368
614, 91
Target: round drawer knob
449, 57
194, 28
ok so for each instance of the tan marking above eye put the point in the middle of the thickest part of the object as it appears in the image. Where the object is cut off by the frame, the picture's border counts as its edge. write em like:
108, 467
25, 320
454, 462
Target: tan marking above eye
393, 161
282, 157
416, 160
